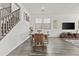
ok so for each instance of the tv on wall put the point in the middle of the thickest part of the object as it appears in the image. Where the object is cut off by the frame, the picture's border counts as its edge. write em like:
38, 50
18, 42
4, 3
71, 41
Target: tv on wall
68, 26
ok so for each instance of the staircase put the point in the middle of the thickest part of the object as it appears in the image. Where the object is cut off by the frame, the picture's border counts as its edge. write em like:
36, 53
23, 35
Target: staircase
5, 10
8, 19
12, 36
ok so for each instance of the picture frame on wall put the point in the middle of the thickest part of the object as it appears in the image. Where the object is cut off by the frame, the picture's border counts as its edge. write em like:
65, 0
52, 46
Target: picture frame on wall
55, 24
26, 16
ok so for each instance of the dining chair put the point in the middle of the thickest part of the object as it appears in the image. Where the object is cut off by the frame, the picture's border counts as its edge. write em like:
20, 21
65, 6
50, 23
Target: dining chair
38, 42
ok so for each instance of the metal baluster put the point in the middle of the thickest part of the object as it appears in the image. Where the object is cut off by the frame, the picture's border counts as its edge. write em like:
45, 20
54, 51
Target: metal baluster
0, 30
7, 24
14, 20
0, 13
2, 27
18, 15
11, 22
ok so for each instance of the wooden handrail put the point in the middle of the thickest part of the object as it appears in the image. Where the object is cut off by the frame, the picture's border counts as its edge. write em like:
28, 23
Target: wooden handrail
5, 11
17, 5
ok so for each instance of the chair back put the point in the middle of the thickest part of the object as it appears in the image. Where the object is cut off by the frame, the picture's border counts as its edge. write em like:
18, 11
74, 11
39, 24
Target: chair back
39, 38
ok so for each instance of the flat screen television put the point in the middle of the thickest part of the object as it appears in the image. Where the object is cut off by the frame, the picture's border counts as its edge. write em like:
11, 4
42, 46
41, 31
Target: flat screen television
68, 26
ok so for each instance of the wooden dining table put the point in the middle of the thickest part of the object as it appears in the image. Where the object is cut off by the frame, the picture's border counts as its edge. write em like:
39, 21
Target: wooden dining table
39, 41
44, 34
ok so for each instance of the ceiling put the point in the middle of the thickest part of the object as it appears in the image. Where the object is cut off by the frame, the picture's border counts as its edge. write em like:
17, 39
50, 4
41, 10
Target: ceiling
52, 8
4, 5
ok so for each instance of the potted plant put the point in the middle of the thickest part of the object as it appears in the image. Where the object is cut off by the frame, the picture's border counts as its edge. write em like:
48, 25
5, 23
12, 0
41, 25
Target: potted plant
31, 29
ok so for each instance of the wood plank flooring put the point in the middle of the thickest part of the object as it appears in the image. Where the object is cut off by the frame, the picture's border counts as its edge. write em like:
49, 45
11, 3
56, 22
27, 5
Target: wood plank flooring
55, 47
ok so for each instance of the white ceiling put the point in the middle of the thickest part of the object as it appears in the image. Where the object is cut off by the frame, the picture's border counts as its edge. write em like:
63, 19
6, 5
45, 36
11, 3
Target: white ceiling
52, 8
3, 5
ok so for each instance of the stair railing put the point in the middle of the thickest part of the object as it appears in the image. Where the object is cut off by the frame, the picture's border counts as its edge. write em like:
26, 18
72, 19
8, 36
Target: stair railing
5, 11
8, 22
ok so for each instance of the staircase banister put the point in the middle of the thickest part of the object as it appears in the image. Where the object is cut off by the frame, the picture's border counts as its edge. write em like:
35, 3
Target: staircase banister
16, 10
5, 8
17, 5
10, 13
8, 22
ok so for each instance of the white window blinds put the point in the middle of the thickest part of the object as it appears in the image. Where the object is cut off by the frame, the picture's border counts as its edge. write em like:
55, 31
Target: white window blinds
42, 23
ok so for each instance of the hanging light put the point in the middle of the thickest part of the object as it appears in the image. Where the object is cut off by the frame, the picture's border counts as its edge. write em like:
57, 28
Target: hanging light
43, 9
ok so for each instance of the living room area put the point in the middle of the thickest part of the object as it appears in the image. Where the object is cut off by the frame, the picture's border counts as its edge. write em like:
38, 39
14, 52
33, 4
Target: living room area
58, 20
39, 29
58, 23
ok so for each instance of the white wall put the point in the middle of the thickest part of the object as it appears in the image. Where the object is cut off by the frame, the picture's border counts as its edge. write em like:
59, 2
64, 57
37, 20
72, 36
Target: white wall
0, 7
3, 5
60, 18
60, 12
22, 11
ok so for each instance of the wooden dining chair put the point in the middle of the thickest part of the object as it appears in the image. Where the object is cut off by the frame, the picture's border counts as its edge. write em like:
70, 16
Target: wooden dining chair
38, 41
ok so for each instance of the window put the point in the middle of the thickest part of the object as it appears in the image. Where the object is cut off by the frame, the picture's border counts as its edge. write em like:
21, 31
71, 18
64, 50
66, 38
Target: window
38, 20
42, 23
46, 20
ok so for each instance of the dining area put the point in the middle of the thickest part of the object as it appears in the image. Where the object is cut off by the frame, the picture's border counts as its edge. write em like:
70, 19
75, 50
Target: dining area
39, 41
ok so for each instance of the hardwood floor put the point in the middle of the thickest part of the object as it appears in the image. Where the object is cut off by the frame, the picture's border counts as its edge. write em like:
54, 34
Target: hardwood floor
55, 47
